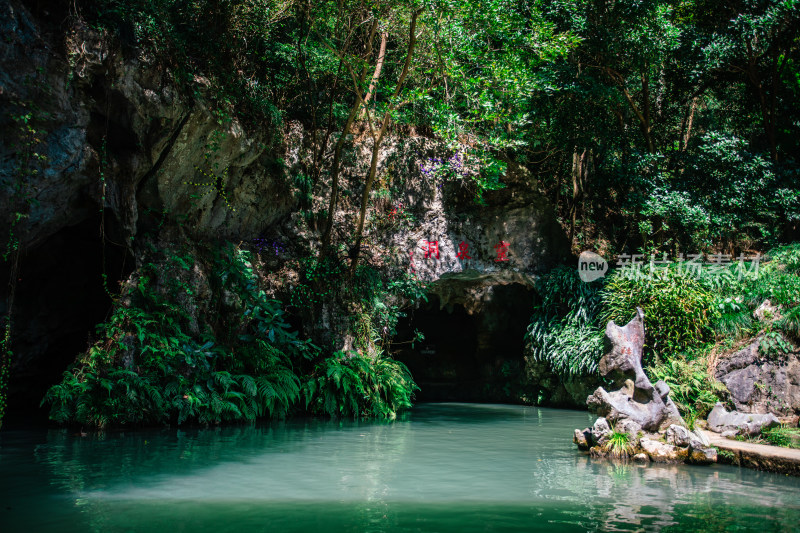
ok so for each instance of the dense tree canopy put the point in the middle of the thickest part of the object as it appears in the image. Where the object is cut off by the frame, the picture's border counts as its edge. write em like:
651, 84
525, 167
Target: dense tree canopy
655, 123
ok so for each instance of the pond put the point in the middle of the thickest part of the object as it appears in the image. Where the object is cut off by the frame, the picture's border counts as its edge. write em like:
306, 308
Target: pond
444, 467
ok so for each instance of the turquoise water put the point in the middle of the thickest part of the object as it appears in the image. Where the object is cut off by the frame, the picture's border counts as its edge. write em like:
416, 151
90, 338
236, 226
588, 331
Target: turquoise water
446, 467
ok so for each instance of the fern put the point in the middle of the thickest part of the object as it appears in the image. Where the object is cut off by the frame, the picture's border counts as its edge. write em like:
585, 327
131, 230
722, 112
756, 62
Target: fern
564, 330
359, 386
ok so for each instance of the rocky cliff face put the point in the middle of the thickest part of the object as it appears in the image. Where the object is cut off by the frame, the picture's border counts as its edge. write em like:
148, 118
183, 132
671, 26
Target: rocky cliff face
759, 384
118, 152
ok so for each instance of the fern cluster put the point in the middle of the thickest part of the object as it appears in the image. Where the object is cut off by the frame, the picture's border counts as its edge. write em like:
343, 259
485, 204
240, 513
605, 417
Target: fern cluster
692, 389
565, 330
148, 368
168, 355
359, 386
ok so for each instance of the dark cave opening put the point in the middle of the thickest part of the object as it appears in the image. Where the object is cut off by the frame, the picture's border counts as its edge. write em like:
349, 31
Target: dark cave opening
60, 299
475, 356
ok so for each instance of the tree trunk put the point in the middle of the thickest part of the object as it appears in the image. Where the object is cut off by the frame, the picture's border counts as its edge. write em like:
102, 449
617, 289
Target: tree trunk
684, 141
375, 75
337, 154
337, 157
378, 139
576, 176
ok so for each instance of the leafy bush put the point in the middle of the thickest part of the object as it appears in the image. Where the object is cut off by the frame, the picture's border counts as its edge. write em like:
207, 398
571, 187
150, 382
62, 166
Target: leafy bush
788, 257
691, 388
789, 323
773, 345
359, 386
157, 363
564, 329
148, 369
782, 436
678, 310
733, 319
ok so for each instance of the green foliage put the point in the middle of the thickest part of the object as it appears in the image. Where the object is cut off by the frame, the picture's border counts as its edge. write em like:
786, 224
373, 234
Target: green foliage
19, 187
782, 436
789, 323
564, 329
703, 159
773, 345
684, 315
678, 310
157, 362
733, 319
726, 455
199, 41
776, 281
359, 386
691, 388
618, 445
320, 280
149, 367
376, 297
750, 196
787, 257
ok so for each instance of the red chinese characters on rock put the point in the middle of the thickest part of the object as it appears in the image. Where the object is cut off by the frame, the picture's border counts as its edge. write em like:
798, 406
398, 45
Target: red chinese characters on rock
502, 251
462, 251
432, 249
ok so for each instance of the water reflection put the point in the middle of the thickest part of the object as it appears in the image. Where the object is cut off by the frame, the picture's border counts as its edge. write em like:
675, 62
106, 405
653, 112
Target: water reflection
447, 467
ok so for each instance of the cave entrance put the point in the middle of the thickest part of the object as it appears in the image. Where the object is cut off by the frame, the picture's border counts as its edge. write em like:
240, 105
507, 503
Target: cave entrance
473, 349
60, 299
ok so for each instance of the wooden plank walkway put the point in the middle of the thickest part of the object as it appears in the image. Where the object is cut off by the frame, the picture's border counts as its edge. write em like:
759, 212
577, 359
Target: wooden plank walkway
758, 456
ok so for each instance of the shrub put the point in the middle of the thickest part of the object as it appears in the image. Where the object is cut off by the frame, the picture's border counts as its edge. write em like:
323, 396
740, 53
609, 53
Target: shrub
773, 345
148, 369
782, 436
787, 256
691, 388
789, 323
678, 310
564, 329
732, 319
359, 386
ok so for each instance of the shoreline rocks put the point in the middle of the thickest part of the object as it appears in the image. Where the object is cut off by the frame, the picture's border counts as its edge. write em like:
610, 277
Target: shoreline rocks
646, 423
732, 423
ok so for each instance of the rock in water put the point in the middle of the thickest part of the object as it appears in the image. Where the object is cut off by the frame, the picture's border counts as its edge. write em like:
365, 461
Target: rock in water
641, 458
582, 439
660, 452
722, 421
638, 399
702, 456
601, 430
638, 406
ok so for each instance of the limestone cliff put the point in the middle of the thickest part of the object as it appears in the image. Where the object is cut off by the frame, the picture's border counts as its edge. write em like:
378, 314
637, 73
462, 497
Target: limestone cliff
119, 152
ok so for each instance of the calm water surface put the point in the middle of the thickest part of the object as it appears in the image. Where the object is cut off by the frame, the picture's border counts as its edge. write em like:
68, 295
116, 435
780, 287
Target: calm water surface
447, 467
